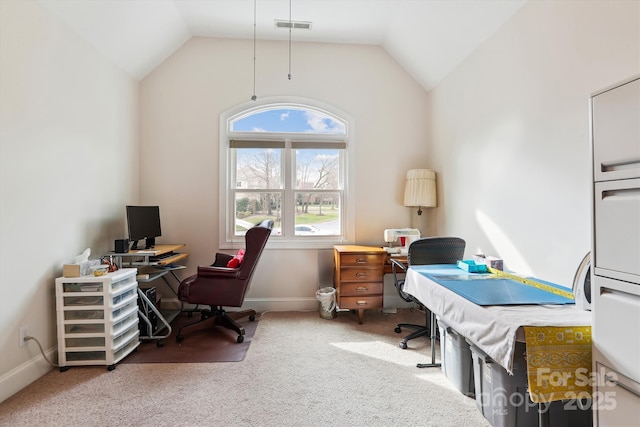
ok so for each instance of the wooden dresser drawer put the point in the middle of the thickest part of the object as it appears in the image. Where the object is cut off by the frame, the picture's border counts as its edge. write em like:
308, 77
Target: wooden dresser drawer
361, 274
361, 289
370, 260
361, 303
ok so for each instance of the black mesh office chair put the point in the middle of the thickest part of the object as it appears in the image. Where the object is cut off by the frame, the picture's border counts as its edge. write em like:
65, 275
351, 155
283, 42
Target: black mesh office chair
429, 250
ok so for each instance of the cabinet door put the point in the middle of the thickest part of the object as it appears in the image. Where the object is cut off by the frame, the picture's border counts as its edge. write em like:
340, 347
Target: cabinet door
617, 229
616, 132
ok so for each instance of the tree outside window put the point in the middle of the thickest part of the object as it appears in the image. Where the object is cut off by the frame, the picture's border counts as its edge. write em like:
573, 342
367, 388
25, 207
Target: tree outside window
287, 163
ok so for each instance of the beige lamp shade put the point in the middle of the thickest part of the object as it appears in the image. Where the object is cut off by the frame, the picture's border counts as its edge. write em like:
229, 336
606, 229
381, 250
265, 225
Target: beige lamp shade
420, 189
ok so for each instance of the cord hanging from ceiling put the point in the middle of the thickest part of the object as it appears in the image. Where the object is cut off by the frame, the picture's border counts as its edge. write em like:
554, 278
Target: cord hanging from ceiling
254, 97
290, 29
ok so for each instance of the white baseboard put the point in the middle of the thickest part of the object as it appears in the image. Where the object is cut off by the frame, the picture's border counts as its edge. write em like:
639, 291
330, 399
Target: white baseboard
23, 375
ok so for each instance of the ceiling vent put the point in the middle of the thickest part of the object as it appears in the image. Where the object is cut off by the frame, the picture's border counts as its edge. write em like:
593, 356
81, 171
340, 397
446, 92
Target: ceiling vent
298, 25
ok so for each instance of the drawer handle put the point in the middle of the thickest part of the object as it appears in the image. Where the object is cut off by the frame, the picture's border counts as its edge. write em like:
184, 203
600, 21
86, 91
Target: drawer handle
361, 260
362, 289
621, 193
361, 274
622, 386
361, 302
633, 164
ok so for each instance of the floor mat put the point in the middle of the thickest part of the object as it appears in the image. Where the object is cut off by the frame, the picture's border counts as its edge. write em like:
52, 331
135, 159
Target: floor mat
203, 343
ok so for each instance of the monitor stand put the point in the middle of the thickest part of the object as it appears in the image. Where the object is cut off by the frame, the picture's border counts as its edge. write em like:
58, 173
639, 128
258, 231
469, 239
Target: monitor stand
149, 243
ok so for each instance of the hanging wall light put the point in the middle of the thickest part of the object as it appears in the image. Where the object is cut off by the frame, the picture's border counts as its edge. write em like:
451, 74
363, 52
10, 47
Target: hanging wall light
420, 189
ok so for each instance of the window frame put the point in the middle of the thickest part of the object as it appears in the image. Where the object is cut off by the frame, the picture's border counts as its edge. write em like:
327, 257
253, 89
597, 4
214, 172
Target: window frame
227, 238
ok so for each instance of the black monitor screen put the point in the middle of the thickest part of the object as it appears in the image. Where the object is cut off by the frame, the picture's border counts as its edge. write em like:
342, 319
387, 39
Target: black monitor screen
143, 223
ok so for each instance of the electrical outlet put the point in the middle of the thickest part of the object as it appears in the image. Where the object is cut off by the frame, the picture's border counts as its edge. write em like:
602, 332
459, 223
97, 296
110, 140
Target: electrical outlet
24, 331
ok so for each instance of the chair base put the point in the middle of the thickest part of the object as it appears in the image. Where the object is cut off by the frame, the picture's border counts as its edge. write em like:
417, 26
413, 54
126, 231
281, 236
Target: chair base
419, 330
222, 318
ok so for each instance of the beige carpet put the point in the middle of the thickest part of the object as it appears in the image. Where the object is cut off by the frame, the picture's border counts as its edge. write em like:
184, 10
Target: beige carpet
301, 370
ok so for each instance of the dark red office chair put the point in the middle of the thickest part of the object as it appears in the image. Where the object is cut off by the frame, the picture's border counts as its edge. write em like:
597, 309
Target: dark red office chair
220, 286
428, 250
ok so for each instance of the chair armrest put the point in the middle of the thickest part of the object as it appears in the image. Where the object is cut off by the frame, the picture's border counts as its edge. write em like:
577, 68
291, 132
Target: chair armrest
221, 260
217, 272
398, 282
397, 264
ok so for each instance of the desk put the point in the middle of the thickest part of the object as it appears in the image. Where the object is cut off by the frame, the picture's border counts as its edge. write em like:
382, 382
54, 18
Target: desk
493, 329
150, 269
387, 262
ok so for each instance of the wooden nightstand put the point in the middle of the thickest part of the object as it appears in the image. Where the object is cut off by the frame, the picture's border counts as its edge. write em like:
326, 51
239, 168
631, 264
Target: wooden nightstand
358, 277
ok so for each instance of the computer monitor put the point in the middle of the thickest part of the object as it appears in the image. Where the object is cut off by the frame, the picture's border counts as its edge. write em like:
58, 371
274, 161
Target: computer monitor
143, 222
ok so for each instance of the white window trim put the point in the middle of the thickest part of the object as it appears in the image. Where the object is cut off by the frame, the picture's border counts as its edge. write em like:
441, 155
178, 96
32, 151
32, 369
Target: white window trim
225, 223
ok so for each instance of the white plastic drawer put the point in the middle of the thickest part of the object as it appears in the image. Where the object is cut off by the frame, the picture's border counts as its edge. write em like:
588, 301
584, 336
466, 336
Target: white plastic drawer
616, 311
86, 328
617, 229
122, 282
616, 132
85, 356
128, 321
85, 342
124, 310
617, 398
125, 338
134, 342
123, 296
83, 287
83, 314
82, 300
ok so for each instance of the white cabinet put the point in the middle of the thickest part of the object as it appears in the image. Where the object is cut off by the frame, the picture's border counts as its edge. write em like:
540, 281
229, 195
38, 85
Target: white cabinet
615, 135
97, 318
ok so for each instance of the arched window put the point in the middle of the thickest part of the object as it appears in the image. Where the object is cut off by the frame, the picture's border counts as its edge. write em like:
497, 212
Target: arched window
288, 162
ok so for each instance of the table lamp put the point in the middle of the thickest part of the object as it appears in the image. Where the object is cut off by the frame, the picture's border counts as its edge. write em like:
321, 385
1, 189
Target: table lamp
420, 189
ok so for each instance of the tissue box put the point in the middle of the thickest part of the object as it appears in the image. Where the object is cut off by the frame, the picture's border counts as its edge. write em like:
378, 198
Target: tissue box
78, 270
489, 261
71, 270
494, 262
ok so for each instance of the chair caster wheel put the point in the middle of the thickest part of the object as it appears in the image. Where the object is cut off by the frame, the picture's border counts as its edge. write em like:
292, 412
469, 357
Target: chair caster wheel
179, 338
159, 343
64, 368
111, 367
397, 329
402, 345
252, 318
240, 338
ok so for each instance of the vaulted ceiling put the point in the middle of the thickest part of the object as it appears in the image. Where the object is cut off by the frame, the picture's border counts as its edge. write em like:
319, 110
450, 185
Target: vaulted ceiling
429, 38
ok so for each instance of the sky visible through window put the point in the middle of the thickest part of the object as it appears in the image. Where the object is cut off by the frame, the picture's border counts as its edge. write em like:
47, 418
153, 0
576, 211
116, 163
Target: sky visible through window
289, 120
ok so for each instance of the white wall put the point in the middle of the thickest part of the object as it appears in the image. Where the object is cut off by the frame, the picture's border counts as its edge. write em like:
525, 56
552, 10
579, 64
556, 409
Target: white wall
69, 151
510, 134
181, 103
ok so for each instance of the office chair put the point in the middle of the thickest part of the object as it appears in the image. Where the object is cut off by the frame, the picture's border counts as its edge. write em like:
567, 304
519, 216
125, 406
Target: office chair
221, 286
428, 250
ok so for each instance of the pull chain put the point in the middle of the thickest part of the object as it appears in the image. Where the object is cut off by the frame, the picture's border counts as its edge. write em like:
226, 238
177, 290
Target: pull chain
290, 29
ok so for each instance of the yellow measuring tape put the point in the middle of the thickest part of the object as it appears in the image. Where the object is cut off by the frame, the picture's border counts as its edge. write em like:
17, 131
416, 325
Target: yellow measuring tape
530, 282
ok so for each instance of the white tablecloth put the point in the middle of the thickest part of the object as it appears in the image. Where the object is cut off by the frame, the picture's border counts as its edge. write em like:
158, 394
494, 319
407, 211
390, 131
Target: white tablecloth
492, 329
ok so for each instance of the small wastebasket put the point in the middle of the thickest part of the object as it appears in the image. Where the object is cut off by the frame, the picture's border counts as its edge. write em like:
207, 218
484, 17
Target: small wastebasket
327, 298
